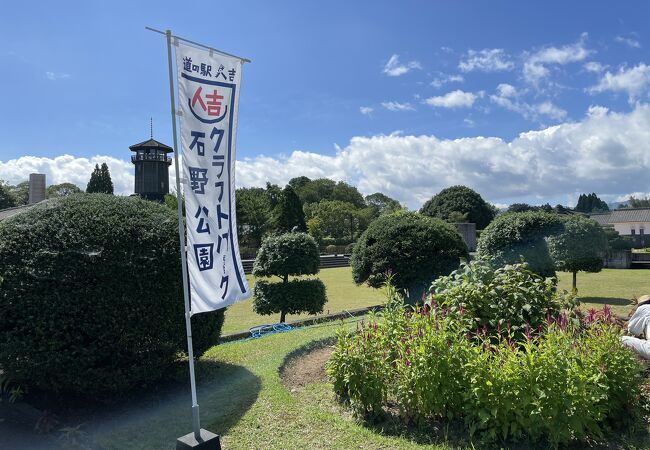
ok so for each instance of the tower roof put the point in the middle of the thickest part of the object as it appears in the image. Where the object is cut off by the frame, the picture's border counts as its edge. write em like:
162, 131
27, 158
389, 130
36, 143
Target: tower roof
151, 143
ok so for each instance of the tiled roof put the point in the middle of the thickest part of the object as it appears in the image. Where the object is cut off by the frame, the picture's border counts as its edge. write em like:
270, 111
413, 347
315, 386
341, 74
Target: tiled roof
622, 216
151, 143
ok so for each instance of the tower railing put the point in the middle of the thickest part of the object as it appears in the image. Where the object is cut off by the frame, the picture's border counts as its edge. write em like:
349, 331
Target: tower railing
150, 157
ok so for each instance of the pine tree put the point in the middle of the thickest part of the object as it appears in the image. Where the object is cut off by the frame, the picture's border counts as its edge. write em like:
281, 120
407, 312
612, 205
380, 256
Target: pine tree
100, 181
94, 184
288, 214
107, 183
590, 203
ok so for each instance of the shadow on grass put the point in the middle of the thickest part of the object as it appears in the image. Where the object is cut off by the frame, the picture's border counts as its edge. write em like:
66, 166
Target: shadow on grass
153, 417
224, 391
612, 301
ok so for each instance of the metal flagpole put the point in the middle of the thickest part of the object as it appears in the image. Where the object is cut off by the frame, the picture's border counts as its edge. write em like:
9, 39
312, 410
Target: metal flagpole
196, 424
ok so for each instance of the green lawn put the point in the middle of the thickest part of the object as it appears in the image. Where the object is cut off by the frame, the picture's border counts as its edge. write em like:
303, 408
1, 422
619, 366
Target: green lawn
242, 398
614, 287
342, 294
611, 286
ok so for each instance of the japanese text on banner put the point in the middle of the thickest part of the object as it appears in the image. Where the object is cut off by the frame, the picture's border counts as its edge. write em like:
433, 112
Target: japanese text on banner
208, 87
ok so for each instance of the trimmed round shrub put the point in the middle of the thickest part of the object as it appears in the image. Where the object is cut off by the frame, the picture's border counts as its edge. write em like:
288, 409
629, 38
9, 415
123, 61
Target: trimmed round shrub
456, 202
512, 237
91, 298
349, 248
287, 254
290, 254
580, 246
415, 248
296, 296
331, 249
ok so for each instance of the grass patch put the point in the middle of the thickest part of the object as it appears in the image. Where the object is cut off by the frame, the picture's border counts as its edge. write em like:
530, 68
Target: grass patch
614, 287
242, 398
342, 294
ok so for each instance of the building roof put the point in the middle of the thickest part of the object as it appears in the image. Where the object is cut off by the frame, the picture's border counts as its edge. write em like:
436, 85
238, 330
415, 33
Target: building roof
622, 216
151, 143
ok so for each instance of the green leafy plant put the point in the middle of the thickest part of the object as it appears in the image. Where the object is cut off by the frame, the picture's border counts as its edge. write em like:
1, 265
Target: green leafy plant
10, 391
290, 254
580, 246
92, 282
460, 204
512, 237
499, 298
565, 381
415, 248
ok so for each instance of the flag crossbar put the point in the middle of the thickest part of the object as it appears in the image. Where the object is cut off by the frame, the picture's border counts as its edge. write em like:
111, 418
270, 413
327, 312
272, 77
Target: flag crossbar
246, 60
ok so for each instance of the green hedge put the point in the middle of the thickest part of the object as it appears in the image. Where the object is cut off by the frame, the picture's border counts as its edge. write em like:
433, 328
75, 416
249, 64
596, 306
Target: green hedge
293, 297
415, 248
512, 237
91, 295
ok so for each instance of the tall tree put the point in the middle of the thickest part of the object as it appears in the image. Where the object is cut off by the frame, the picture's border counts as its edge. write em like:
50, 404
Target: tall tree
382, 203
100, 181
337, 219
639, 202
62, 190
316, 190
20, 193
463, 200
579, 247
106, 179
6, 199
346, 193
253, 215
588, 203
298, 183
288, 215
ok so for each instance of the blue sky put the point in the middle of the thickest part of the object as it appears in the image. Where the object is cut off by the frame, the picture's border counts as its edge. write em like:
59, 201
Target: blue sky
404, 98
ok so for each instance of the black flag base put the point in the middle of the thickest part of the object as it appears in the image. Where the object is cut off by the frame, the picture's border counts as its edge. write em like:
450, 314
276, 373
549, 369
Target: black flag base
208, 441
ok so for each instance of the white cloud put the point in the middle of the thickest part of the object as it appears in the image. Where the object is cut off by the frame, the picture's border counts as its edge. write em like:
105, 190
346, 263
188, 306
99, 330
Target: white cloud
70, 169
508, 97
393, 68
630, 42
366, 110
605, 152
507, 90
632, 81
396, 106
453, 99
548, 109
486, 60
56, 76
535, 66
594, 66
444, 79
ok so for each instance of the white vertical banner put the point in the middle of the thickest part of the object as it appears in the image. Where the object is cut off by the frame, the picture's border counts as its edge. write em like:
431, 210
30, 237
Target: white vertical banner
208, 97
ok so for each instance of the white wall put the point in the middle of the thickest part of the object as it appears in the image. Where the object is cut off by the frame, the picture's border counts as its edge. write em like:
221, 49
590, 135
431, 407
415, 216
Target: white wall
626, 227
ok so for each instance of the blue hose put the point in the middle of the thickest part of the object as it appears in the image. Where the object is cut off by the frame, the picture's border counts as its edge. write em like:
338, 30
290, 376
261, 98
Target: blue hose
265, 330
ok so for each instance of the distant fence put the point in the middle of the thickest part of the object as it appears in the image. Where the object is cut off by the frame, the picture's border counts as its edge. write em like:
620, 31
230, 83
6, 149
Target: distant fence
326, 262
640, 260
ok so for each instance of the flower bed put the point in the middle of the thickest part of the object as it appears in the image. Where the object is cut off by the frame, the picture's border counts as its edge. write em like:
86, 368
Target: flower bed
562, 381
